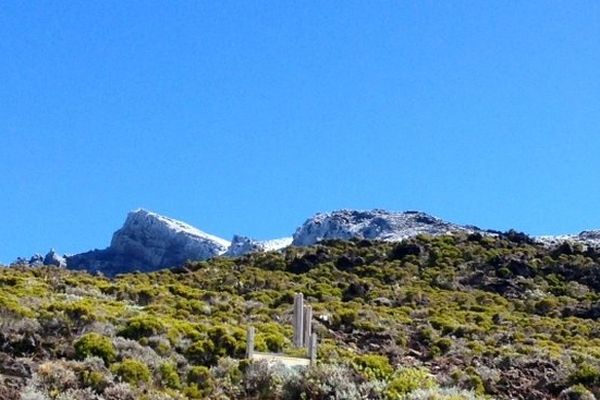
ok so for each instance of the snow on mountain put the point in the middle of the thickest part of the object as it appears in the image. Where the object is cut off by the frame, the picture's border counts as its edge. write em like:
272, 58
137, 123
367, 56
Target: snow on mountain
375, 225
149, 241
150, 230
589, 238
53, 258
276, 244
241, 245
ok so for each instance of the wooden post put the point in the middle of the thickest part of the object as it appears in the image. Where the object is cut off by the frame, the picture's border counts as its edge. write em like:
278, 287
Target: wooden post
312, 349
307, 325
298, 320
250, 342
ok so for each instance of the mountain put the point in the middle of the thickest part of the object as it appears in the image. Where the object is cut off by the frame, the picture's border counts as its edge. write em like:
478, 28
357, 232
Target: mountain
591, 237
37, 260
241, 245
148, 241
588, 238
372, 225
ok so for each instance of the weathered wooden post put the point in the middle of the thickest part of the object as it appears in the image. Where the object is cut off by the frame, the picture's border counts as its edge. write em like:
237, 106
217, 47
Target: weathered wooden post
250, 342
298, 320
307, 324
312, 349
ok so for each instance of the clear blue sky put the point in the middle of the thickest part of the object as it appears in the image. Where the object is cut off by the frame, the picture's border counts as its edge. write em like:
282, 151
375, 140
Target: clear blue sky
249, 116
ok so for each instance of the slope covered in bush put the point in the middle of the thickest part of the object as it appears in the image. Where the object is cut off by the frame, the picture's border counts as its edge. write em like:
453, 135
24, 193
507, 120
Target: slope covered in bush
449, 317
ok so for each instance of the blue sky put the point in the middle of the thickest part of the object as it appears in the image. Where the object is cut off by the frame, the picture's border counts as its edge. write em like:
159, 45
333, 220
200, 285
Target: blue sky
248, 117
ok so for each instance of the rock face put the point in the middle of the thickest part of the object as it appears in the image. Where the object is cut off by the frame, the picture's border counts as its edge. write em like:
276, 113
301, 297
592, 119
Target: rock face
241, 245
148, 241
588, 238
374, 225
53, 258
37, 260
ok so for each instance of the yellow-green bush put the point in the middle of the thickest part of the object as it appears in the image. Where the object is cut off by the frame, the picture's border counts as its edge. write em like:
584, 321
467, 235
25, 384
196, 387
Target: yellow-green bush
407, 380
132, 371
94, 344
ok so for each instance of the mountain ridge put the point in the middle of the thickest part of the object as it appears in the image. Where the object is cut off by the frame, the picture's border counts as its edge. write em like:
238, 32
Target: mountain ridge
148, 241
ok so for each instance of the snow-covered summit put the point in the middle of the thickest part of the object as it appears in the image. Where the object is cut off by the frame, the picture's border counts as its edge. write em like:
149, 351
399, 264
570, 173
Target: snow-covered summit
375, 224
241, 245
159, 226
149, 241
589, 238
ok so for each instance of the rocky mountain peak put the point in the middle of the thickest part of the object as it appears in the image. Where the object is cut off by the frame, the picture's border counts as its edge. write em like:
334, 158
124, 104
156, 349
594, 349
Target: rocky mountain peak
149, 241
241, 245
591, 236
374, 224
53, 258
142, 226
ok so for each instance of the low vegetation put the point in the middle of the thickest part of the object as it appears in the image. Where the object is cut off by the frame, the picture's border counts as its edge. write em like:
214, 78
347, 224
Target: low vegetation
449, 317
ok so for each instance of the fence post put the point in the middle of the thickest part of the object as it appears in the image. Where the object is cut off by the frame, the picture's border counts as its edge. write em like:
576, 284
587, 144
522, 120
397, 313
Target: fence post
307, 325
250, 342
312, 349
298, 320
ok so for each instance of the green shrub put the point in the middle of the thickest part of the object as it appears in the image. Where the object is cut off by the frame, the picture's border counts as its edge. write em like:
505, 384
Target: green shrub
169, 376
77, 311
132, 371
406, 380
202, 352
473, 381
546, 305
577, 392
586, 374
94, 344
95, 380
199, 375
373, 366
142, 326
443, 344
274, 342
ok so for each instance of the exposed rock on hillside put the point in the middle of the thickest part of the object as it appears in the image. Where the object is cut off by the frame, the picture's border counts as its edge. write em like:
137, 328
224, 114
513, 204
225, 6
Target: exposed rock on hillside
148, 241
588, 238
374, 225
241, 245
37, 260
53, 258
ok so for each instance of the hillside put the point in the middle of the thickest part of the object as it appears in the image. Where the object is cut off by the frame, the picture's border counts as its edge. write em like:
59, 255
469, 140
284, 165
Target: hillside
458, 316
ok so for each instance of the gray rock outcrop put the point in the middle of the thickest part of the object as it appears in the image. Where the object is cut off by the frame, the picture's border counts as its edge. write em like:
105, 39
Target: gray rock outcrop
373, 225
147, 242
241, 245
53, 258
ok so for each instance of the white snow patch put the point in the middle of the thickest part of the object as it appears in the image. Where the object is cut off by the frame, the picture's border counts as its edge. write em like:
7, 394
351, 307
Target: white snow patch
176, 226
